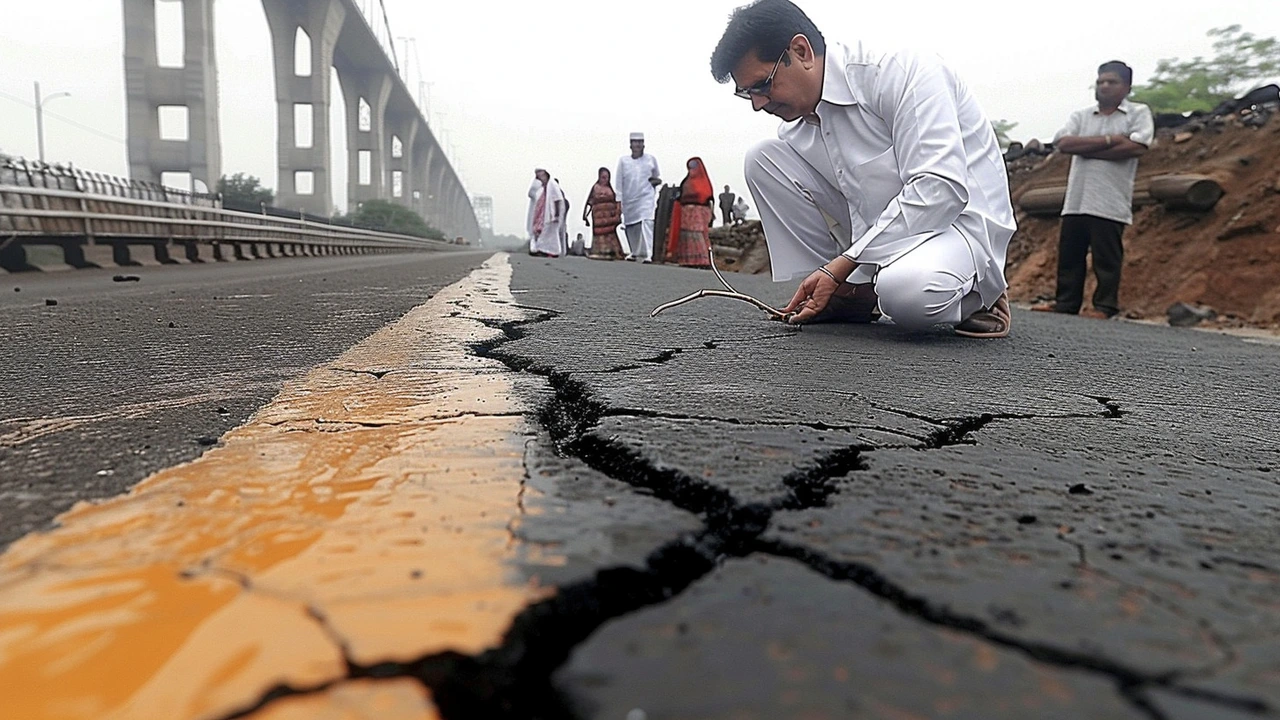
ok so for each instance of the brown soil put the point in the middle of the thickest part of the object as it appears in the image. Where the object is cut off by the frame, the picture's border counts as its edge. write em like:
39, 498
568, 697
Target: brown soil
1227, 259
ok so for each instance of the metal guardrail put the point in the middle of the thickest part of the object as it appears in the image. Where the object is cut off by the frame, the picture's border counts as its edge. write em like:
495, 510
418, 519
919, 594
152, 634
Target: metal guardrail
74, 209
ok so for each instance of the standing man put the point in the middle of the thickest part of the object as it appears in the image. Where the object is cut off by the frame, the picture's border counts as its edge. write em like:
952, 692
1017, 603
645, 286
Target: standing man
886, 191
1105, 142
726, 206
637, 179
564, 225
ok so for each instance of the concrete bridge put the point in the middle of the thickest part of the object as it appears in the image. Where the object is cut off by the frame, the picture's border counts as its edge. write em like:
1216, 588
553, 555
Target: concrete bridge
393, 154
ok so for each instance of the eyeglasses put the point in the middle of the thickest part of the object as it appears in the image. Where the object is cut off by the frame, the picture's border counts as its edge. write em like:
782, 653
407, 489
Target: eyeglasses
764, 86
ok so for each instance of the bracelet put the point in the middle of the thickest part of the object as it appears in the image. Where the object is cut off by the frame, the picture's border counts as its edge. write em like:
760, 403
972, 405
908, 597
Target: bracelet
823, 269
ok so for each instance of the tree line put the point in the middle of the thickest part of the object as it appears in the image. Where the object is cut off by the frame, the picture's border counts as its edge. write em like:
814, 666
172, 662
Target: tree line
1240, 60
247, 194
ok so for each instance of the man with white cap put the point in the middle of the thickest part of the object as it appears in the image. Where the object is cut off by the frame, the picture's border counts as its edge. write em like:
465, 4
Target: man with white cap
637, 179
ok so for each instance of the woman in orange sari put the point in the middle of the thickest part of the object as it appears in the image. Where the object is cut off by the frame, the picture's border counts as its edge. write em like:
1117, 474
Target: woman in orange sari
687, 241
606, 213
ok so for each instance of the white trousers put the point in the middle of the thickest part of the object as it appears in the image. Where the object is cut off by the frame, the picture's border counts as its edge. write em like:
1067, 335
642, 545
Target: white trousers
639, 240
806, 224
549, 241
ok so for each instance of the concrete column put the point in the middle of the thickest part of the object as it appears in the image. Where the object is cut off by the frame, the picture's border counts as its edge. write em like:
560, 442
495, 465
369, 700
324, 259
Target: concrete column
375, 88
455, 208
423, 157
322, 20
193, 86
438, 189
405, 127
469, 223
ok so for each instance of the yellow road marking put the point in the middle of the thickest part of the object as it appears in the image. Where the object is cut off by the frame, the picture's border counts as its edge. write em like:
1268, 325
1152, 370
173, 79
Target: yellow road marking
357, 700
352, 517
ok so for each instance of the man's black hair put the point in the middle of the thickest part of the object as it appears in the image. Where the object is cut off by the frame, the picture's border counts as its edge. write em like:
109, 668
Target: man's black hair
765, 27
1115, 66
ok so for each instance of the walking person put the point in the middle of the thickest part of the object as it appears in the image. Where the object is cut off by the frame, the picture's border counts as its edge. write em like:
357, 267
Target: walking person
687, 241
564, 226
1105, 141
638, 177
885, 191
548, 217
605, 216
534, 188
726, 206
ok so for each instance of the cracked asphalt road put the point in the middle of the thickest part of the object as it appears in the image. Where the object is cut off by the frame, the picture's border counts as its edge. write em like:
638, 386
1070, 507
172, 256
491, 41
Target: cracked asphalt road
746, 520
1079, 521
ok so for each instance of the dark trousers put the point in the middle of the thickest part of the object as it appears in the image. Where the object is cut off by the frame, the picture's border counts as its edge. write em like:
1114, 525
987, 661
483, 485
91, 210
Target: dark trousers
724, 215
1080, 235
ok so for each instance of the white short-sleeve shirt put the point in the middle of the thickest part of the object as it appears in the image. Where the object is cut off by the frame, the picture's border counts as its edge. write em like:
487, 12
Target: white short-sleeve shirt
1104, 188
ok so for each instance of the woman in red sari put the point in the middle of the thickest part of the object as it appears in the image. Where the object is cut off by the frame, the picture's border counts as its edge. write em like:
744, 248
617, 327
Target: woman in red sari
687, 241
606, 213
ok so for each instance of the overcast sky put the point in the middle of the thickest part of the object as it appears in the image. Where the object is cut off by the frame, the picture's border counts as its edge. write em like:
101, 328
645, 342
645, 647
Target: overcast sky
562, 82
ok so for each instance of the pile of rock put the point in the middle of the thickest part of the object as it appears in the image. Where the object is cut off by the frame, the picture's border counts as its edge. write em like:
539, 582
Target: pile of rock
740, 248
1252, 109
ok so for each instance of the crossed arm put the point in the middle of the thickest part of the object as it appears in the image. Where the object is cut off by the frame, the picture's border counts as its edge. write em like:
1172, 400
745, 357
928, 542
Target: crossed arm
1101, 147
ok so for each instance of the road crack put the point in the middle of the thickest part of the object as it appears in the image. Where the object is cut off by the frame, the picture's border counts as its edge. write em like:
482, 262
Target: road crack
513, 680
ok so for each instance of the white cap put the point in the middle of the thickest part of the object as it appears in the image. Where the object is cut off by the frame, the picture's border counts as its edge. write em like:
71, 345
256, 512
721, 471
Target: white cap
637, 136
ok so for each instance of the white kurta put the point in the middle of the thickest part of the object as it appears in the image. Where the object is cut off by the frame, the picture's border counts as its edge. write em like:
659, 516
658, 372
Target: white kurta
905, 152
638, 196
548, 241
534, 189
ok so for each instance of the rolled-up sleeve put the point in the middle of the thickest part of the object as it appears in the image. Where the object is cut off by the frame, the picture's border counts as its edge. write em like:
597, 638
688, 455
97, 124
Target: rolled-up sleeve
917, 97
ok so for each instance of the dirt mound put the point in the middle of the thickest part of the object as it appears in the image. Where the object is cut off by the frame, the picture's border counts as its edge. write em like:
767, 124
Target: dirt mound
1227, 258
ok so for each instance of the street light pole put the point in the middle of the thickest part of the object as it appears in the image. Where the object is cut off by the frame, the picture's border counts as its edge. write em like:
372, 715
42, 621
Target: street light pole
40, 103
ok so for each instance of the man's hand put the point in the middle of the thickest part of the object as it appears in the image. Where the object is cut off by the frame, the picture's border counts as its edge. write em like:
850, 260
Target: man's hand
816, 290
811, 298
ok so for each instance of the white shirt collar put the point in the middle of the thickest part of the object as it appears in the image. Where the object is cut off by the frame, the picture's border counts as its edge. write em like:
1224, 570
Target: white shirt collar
1125, 107
836, 88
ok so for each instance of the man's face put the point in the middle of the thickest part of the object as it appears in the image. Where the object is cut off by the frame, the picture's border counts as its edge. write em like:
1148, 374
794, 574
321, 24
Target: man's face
793, 91
637, 148
542, 175
1110, 89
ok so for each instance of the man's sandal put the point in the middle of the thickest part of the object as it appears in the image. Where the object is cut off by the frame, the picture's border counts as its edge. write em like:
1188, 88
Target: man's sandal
993, 322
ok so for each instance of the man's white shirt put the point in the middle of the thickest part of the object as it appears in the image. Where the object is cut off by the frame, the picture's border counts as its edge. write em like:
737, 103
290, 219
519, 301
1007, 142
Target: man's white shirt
907, 145
638, 196
1104, 188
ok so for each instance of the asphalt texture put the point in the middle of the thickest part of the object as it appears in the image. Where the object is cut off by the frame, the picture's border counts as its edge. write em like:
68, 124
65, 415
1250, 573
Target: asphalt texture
1078, 521
745, 519
119, 379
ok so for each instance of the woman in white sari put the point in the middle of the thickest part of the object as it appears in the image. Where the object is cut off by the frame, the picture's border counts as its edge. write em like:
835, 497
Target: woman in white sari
548, 217
534, 189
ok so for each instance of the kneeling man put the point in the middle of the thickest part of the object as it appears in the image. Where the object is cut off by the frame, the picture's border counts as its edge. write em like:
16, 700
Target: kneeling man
886, 189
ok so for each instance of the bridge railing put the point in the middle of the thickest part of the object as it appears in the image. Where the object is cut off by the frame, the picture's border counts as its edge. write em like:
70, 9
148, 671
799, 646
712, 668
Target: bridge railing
78, 210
